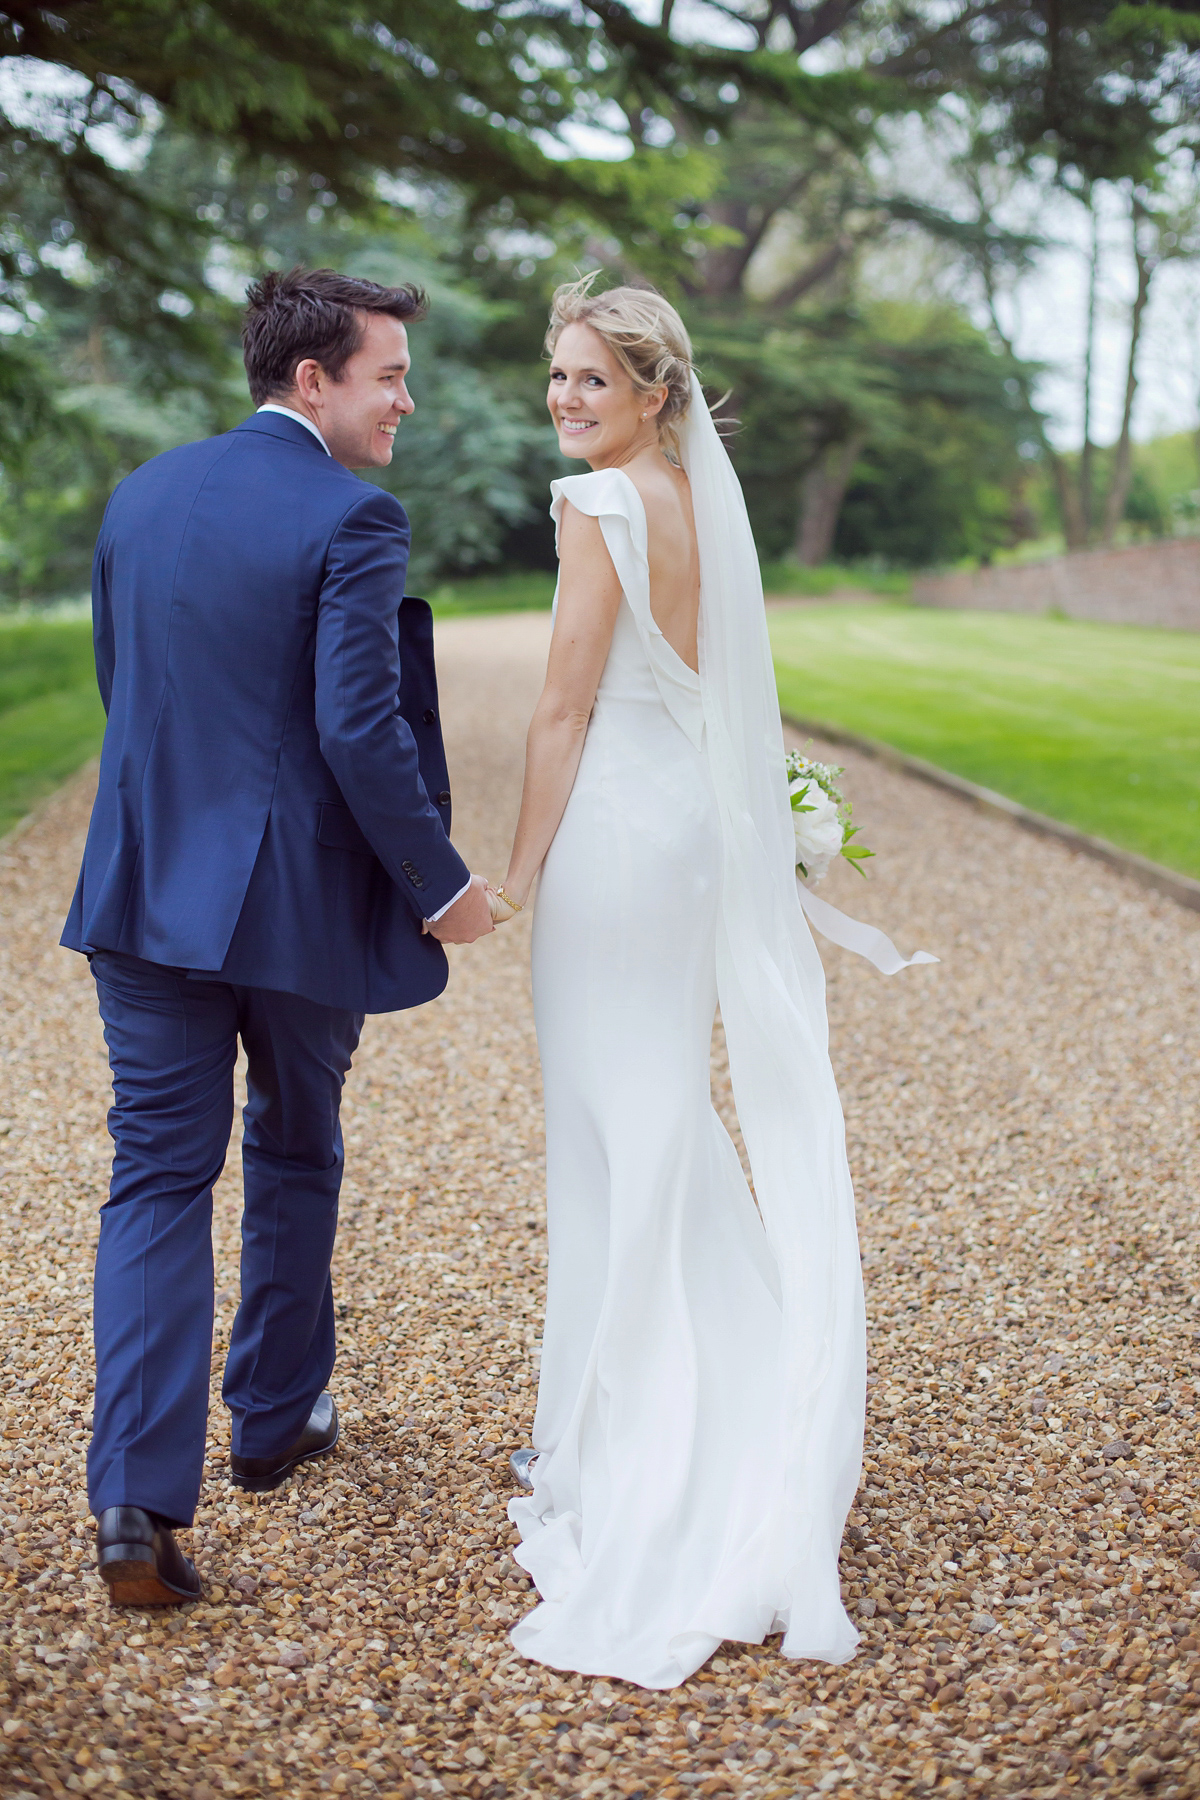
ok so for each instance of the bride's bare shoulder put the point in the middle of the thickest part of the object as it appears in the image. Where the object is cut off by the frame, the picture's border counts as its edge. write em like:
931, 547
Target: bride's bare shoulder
665, 493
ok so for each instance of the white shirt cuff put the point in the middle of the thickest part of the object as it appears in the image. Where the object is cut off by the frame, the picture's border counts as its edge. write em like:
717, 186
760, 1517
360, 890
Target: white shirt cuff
432, 918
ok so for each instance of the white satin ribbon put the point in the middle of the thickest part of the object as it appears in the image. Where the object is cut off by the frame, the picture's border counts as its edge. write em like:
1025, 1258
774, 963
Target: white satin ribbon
852, 934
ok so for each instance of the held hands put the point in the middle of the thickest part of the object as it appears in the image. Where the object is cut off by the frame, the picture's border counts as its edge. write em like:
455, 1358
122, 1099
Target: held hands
475, 913
503, 904
469, 918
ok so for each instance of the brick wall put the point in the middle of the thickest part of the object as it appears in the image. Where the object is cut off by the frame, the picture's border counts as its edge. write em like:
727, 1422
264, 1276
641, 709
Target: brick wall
1146, 584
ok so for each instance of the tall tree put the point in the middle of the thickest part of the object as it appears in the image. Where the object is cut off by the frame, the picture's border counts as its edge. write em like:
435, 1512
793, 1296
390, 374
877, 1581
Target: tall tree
336, 95
1108, 98
1157, 234
466, 463
476, 93
776, 296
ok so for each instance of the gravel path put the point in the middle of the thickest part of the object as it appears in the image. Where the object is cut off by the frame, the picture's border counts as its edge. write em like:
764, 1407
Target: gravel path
1022, 1124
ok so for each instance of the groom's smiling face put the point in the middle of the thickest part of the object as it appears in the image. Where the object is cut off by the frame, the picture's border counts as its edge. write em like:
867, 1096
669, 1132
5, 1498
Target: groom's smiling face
358, 414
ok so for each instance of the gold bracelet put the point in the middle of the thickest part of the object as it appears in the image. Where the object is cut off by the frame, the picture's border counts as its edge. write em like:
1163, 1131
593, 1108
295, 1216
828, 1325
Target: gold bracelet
500, 891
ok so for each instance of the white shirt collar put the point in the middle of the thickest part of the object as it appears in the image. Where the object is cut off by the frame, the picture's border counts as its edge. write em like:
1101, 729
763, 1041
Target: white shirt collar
270, 406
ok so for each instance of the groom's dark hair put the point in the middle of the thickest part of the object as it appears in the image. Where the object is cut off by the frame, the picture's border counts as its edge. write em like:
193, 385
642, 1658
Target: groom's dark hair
312, 313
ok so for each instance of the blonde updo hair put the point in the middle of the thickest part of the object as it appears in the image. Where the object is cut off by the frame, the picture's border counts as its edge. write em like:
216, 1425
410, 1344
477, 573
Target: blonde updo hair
644, 333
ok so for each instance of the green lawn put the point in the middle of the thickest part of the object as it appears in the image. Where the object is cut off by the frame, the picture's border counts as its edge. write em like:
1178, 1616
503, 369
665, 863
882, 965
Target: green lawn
51, 719
516, 590
1096, 725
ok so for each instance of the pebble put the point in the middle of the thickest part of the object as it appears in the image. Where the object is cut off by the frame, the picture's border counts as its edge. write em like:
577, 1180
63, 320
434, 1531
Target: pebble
1022, 1554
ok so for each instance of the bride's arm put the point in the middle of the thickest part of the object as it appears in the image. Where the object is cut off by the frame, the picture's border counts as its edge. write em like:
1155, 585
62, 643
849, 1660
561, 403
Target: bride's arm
589, 594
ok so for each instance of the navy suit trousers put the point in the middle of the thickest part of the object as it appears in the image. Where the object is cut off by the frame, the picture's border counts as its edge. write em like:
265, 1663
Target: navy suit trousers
172, 1043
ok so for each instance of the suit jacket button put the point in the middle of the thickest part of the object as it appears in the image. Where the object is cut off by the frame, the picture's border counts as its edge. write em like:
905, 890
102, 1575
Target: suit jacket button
444, 797
429, 716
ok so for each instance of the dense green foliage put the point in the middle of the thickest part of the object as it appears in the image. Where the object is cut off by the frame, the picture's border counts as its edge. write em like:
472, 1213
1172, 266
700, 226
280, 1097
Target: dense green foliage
474, 463
1098, 725
167, 154
924, 405
332, 96
1165, 488
468, 460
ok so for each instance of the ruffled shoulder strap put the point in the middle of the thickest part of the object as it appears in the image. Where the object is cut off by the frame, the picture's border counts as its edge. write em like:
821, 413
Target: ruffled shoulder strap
609, 496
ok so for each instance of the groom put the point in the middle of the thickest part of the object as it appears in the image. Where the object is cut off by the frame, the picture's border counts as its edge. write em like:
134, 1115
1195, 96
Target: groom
268, 859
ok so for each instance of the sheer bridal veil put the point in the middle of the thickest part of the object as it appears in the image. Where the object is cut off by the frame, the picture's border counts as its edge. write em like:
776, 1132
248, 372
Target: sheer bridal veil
771, 988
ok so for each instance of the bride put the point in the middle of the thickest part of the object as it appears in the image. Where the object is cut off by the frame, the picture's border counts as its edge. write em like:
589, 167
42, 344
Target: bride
699, 1421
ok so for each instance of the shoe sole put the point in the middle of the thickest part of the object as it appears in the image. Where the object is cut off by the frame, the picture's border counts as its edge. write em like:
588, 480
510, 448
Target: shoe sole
264, 1484
132, 1579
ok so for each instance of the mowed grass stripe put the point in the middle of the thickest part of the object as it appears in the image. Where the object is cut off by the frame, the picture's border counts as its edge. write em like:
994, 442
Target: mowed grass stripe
1096, 725
43, 741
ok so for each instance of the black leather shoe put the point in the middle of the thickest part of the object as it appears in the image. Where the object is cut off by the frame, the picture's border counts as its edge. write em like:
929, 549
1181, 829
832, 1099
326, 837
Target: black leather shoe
140, 1560
257, 1474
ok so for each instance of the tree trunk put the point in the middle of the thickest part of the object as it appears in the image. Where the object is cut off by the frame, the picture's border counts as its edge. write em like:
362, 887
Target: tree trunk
1122, 475
1069, 508
1069, 503
97, 360
1087, 454
722, 270
821, 494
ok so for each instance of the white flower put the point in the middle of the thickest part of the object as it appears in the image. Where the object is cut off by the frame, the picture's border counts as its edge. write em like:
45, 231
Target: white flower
819, 833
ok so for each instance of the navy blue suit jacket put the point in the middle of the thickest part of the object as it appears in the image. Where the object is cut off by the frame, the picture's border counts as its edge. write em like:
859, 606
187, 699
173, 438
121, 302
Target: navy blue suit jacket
273, 804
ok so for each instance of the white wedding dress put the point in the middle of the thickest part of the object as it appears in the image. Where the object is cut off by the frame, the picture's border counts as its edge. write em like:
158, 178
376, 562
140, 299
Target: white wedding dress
699, 1416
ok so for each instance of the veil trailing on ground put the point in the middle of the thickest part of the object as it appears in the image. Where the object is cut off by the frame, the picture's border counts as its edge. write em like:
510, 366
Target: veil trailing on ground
771, 988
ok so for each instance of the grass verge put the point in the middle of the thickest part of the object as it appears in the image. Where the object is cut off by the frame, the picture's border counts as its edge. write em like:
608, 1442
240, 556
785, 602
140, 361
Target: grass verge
783, 578
51, 719
524, 590
517, 590
1096, 725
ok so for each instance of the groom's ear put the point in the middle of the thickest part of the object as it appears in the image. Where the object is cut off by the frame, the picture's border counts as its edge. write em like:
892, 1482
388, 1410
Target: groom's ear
309, 379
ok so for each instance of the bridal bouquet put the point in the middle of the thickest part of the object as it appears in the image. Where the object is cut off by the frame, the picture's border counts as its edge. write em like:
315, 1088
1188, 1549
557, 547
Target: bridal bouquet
821, 817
